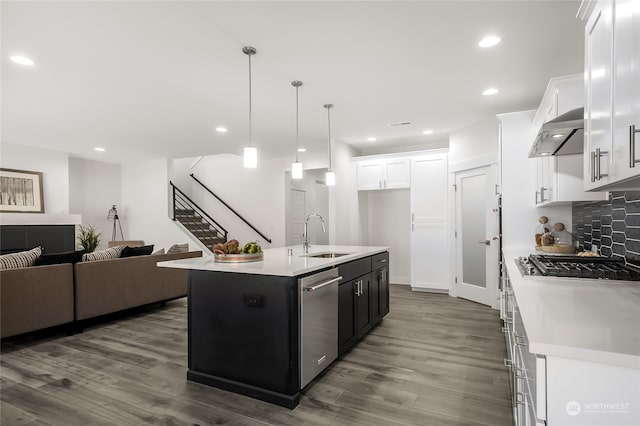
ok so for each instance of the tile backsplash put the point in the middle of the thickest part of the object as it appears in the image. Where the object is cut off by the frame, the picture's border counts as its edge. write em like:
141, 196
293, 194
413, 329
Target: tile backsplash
612, 225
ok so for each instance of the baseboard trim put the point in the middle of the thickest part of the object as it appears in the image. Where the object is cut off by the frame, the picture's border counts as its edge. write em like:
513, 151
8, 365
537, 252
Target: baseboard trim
283, 400
430, 290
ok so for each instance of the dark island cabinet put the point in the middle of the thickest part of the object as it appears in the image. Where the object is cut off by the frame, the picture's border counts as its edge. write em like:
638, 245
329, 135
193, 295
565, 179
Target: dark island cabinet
363, 298
380, 287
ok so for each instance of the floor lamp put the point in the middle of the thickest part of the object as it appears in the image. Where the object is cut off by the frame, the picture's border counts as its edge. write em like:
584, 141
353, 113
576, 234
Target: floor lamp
112, 216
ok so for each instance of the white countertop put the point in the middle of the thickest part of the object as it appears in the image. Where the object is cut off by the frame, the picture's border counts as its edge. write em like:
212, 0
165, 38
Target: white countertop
278, 262
584, 319
39, 219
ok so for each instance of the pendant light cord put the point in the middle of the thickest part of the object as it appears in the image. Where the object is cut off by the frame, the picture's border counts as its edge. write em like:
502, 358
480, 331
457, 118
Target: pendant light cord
329, 126
297, 139
250, 126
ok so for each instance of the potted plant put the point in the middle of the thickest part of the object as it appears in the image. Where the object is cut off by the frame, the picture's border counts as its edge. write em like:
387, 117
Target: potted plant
88, 238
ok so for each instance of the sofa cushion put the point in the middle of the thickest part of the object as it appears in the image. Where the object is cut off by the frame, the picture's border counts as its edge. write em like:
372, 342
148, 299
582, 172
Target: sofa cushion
22, 259
178, 248
137, 251
57, 258
110, 253
158, 252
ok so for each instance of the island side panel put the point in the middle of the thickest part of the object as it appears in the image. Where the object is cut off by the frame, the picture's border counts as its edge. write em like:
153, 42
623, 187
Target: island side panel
244, 328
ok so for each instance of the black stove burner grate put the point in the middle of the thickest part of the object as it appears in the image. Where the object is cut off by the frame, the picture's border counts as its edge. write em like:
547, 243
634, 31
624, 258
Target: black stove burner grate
576, 267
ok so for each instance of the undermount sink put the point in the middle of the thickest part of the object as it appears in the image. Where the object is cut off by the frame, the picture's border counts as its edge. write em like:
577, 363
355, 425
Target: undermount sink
326, 255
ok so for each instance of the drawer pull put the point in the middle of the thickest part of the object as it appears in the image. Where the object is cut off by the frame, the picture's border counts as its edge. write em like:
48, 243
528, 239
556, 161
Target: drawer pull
508, 362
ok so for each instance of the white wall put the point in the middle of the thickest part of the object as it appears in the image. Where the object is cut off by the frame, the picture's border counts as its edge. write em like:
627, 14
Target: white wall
146, 205
388, 225
519, 214
348, 217
54, 166
93, 188
256, 194
316, 201
479, 140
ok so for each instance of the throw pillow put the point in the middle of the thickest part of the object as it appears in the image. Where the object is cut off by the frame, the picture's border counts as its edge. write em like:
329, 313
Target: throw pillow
178, 248
158, 252
22, 259
136, 251
57, 258
107, 254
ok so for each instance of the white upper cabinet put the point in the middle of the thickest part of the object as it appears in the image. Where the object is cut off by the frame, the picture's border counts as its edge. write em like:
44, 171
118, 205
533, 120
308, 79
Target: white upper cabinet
612, 110
388, 173
559, 179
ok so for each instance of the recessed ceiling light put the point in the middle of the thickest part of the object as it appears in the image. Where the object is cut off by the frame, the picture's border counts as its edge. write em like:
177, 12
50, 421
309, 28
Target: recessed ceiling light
371, 139
221, 129
302, 149
428, 132
99, 149
489, 41
22, 60
557, 136
490, 91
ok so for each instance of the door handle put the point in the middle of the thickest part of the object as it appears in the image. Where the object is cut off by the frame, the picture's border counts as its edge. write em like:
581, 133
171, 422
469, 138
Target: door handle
324, 284
485, 242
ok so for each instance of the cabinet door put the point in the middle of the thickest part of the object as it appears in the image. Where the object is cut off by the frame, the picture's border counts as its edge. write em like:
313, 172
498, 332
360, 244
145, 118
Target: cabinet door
626, 83
396, 174
369, 175
544, 182
429, 224
598, 69
347, 332
383, 291
363, 306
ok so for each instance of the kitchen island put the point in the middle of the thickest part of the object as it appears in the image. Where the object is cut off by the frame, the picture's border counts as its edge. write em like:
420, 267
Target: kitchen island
266, 329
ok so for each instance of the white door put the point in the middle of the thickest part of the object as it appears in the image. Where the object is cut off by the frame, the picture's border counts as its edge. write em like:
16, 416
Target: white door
429, 212
298, 208
476, 233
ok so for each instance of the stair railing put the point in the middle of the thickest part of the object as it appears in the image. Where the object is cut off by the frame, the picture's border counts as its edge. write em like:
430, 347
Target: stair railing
182, 202
231, 209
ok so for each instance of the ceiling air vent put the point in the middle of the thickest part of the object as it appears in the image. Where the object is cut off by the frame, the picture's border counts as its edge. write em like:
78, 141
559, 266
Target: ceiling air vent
402, 123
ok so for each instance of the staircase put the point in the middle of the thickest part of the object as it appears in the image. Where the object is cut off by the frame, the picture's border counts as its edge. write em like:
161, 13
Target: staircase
200, 228
196, 221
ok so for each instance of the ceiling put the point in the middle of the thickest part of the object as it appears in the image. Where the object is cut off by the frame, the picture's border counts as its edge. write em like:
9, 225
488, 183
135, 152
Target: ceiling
154, 79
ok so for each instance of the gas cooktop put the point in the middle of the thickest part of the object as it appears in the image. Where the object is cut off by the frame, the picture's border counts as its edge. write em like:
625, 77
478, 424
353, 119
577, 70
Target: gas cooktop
576, 267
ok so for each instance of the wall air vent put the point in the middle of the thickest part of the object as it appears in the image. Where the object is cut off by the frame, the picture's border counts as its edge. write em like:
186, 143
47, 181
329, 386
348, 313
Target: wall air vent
402, 123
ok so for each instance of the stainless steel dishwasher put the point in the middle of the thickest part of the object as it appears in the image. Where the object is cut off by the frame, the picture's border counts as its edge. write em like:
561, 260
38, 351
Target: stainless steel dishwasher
318, 323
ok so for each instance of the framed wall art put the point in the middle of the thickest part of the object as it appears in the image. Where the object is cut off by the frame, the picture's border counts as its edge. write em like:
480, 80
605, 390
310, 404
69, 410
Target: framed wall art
21, 191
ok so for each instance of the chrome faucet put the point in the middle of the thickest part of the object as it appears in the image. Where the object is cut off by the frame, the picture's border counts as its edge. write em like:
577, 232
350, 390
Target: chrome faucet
305, 243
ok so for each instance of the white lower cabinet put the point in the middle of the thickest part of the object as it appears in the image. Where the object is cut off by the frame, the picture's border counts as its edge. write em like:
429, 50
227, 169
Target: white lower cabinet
555, 391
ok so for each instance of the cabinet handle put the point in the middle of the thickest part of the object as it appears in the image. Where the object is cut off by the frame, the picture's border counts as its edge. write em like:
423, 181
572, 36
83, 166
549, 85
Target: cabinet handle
632, 146
379, 184
593, 166
384, 183
357, 288
598, 158
542, 189
508, 362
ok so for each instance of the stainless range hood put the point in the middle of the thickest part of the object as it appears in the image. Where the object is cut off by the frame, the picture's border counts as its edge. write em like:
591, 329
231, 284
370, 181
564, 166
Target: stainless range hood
563, 135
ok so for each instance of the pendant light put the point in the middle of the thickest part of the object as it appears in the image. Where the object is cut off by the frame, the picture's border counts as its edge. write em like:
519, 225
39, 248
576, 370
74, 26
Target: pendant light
296, 166
250, 154
330, 176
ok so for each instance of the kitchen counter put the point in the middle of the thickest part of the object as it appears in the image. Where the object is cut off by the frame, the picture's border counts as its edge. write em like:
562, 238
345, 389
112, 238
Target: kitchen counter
277, 262
583, 319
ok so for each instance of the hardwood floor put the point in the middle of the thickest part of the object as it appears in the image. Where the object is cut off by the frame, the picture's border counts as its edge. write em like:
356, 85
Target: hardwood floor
434, 360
